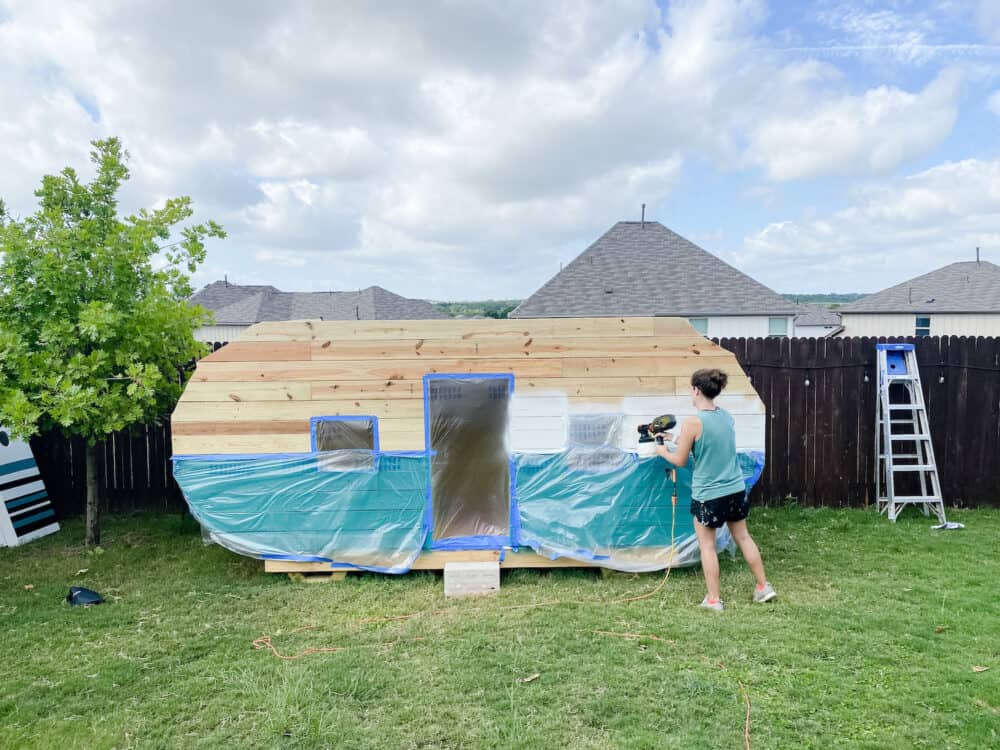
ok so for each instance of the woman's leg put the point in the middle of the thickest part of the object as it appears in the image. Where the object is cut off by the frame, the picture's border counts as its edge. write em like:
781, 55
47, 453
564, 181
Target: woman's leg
709, 559
749, 549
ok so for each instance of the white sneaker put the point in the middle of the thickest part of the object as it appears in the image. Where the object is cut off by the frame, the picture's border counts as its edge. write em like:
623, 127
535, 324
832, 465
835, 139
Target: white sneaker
715, 606
765, 594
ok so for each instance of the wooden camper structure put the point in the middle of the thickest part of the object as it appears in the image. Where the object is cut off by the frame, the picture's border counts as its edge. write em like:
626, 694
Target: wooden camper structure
483, 404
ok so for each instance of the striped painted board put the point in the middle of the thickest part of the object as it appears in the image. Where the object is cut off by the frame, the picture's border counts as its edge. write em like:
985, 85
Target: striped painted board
26, 512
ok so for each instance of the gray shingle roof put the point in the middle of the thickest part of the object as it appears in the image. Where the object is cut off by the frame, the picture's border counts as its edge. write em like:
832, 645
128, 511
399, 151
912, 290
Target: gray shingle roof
646, 269
244, 305
220, 294
966, 287
816, 315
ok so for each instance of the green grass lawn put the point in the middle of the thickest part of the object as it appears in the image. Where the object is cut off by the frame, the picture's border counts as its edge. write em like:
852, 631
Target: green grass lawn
872, 644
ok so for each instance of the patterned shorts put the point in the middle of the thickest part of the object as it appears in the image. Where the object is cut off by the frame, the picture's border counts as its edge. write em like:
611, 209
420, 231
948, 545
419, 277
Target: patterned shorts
714, 513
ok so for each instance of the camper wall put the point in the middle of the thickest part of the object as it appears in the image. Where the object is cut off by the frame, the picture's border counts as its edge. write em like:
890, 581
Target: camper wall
364, 444
258, 394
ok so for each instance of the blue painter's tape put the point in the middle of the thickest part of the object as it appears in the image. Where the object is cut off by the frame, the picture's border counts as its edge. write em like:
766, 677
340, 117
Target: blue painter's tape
338, 565
27, 499
32, 518
296, 558
485, 541
395, 570
515, 513
427, 378
471, 376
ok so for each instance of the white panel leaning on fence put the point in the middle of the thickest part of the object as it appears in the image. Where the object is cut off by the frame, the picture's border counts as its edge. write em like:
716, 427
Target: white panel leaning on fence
26, 512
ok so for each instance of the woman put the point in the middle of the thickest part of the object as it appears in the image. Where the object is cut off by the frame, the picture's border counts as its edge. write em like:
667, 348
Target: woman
718, 492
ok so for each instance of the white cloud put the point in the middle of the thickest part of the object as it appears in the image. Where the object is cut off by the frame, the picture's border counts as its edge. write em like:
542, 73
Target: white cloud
895, 230
993, 103
872, 133
903, 35
386, 143
989, 19
280, 258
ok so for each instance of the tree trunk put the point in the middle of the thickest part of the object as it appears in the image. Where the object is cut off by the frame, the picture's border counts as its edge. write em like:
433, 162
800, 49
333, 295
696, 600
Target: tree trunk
93, 508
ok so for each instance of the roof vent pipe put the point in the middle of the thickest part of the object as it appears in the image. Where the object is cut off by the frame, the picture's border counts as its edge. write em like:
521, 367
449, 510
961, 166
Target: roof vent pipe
642, 221
977, 255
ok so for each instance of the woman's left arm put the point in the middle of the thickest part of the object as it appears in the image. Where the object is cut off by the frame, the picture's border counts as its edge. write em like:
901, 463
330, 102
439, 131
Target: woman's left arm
679, 457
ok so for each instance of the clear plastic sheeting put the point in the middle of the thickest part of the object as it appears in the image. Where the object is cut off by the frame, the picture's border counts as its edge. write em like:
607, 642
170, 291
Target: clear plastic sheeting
470, 465
585, 505
348, 508
344, 433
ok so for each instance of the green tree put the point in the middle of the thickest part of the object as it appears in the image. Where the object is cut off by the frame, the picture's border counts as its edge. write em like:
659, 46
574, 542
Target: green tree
94, 323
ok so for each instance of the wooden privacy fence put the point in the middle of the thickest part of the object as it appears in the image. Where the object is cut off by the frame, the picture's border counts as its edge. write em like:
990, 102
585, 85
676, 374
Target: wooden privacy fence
820, 428
820, 396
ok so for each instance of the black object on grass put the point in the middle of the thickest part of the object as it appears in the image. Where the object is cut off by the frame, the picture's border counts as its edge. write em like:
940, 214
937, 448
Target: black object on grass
81, 597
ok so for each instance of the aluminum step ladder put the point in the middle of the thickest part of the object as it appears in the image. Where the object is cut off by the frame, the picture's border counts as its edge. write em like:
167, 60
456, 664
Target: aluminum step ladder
903, 436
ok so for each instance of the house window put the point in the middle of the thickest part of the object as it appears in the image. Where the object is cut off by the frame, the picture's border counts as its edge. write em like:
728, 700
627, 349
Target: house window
777, 326
923, 326
700, 325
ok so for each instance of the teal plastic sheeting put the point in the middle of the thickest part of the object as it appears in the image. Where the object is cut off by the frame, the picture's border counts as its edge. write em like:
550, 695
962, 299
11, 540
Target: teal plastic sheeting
611, 507
351, 508
370, 510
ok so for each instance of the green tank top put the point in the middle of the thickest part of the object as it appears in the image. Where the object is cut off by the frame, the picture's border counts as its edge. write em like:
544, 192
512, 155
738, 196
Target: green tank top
716, 468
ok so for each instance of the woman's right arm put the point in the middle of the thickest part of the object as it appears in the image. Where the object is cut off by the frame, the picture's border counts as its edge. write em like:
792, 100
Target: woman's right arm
689, 433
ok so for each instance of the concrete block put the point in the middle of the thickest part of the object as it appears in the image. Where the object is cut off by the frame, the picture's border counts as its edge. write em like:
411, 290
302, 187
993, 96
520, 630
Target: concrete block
471, 578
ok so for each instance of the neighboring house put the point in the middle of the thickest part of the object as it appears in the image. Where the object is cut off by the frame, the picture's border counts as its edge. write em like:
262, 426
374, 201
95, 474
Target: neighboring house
237, 307
817, 322
643, 268
961, 299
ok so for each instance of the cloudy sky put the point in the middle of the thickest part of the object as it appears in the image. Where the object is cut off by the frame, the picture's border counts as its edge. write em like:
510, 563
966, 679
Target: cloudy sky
463, 150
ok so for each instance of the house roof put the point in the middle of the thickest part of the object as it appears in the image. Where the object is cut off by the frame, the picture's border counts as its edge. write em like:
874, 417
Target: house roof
643, 268
245, 305
816, 315
965, 287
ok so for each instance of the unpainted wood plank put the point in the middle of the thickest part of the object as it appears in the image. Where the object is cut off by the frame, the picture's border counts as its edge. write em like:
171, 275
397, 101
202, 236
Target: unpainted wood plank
332, 390
597, 387
261, 351
356, 330
413, 440
639, 366
369, 369
243, 427
238, 391
409, 440
187, 445
513, 347
675, 327
284, 410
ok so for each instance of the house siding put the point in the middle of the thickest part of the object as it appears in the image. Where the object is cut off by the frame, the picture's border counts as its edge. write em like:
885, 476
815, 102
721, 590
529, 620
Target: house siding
813, 332
904, 324
218, 333
743, 326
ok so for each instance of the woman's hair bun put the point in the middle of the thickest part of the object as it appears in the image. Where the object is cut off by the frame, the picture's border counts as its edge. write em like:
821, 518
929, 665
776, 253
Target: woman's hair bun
710, 382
